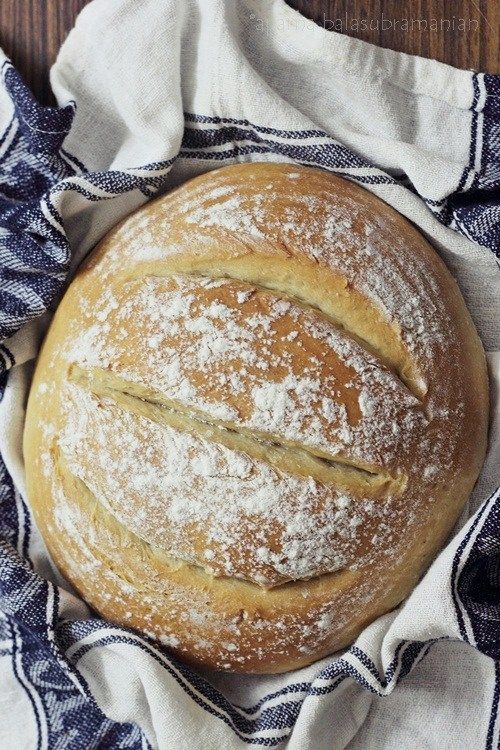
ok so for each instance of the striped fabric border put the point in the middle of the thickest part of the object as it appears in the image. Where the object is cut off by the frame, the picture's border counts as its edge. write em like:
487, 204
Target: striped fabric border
273, 718
34, 258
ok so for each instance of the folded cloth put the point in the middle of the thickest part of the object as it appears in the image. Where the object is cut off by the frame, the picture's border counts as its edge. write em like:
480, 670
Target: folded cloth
150, 94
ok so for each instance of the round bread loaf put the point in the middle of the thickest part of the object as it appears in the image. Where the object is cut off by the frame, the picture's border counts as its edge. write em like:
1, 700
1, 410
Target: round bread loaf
258, 412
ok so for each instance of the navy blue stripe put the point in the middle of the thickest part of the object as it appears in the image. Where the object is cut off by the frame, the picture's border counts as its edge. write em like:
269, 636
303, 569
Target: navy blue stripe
411, 653
474, 130
479, 581
296, 687
296, 134
8, 355
10, 148
57, 217
456, 562
295, 155
73, 158
264, 741
329, 155
149, 192
4, 367
277, 717
115, 182
15, 651
414, 652
201, 139
473, 137
234, 719
155, 166
463, 179
434, 203
494, 709
7, 130
80, 630
27, 531
196, 138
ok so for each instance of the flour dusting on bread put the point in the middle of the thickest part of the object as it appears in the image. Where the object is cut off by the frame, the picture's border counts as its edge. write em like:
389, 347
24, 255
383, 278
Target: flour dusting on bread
258, 412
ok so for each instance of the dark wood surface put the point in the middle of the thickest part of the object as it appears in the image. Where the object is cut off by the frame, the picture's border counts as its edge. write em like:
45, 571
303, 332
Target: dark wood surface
464, 33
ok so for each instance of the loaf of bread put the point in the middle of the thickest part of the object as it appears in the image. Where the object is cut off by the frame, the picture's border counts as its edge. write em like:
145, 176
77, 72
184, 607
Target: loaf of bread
258, 412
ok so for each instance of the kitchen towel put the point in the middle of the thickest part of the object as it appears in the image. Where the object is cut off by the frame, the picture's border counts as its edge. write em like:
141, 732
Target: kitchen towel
150, 94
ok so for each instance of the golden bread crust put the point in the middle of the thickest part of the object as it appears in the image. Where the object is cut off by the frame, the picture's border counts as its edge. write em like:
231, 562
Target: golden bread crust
256, 416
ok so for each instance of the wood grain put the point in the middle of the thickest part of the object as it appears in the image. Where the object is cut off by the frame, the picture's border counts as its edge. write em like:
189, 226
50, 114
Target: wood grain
463, 33
31, 31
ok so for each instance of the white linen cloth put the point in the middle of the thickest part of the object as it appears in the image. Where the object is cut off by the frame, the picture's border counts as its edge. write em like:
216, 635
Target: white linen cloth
151, 94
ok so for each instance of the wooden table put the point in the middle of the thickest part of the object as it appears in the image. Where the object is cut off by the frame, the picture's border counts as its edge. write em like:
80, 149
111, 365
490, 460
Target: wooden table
464, 33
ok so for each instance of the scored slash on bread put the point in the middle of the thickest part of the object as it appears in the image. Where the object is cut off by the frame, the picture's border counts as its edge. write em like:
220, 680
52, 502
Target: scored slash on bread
257, 414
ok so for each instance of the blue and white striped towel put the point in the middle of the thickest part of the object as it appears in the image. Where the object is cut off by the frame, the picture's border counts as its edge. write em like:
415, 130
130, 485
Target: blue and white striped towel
151, 93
